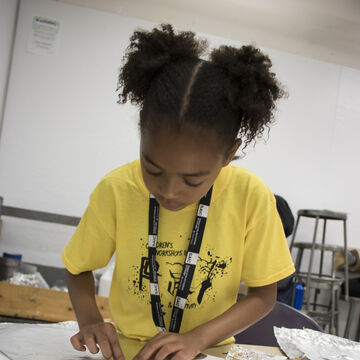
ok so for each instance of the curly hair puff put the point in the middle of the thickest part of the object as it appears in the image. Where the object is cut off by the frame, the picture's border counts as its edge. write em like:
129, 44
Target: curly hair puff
232, 92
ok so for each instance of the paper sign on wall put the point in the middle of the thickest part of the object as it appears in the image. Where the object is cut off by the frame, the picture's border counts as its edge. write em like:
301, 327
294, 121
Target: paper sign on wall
44, 36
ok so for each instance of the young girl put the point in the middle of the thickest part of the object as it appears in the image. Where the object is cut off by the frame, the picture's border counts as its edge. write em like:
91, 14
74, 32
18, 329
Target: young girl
186, 227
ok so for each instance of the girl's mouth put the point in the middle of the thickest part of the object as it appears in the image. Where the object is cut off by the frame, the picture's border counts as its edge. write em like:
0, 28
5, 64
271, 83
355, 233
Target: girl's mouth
170, 205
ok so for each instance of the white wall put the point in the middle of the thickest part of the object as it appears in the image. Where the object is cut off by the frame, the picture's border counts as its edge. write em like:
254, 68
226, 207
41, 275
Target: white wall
63, 129
7, 20
311, 157
325, 30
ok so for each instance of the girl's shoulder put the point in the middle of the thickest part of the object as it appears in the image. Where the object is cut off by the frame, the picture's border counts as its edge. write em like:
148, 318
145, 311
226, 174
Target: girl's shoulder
250, 192
122, 173
246, 179
120, 178
241, 184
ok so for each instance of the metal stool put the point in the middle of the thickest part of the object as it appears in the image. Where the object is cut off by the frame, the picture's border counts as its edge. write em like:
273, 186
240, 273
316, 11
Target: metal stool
318, 280
321, 281
353, 302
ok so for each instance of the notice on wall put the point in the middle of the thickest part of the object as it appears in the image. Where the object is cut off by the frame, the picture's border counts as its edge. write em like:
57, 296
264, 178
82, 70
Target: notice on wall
45, 36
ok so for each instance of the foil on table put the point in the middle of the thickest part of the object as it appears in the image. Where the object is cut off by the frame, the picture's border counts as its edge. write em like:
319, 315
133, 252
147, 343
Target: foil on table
23, 279
36, 280
315, 345
41, 342
237, 352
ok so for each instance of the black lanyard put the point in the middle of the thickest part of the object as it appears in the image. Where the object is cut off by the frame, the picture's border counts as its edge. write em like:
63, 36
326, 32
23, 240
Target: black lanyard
188, 268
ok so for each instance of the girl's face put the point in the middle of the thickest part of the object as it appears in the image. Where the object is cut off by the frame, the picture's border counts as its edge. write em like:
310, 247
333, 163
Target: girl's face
180, 167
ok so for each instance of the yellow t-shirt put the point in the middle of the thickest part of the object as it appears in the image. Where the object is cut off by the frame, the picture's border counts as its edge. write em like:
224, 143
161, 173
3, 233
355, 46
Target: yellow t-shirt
243, 240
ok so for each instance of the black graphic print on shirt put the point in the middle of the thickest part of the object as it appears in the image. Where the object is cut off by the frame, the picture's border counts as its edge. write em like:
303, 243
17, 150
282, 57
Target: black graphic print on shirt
210, 268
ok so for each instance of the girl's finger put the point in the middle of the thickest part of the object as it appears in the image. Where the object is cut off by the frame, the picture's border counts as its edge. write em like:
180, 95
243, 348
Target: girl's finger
151, 348
116, 351
91, 344
147, 351
166, 350
180, 355
77, 342
104, 345
115, 346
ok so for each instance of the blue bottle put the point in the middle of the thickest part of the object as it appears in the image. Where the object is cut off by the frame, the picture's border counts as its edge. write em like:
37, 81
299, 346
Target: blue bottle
299, 294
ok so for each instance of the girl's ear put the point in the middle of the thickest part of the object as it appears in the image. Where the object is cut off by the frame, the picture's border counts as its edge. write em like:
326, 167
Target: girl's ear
232, 151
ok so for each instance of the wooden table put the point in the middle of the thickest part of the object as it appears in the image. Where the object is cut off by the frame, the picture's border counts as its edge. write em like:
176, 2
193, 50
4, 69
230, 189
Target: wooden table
26, 302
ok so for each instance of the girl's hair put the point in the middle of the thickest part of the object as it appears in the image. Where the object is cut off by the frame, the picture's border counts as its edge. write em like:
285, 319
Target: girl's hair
233, 92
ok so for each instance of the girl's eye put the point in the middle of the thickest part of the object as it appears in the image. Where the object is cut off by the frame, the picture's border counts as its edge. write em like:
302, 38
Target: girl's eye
160, 173
193, 185
153, 173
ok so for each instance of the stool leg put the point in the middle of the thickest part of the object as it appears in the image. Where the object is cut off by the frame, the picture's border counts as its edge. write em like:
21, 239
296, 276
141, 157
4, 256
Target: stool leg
332, 314
294, 233
310, 264
337, 299
298, 260
322, 250
346, 270
348, 320
334, 297
317, 291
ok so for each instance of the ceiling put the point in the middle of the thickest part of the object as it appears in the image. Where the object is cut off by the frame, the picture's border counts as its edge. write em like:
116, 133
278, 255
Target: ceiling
327, 30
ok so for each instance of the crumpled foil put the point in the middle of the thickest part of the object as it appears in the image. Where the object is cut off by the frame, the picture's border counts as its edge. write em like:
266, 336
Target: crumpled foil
23, 279
35, 280
315, 345
237, 352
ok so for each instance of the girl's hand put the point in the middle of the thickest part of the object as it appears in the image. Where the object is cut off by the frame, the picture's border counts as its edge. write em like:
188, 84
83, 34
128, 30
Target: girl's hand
165, 344
97, 335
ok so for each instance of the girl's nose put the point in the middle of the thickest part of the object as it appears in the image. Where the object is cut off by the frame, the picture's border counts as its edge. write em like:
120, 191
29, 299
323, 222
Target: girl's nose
169, 188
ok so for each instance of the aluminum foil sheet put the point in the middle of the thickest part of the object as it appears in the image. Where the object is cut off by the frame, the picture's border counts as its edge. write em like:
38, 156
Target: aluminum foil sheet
41, 342
52, 342
237, 352
35, 280
315, 345
23, 279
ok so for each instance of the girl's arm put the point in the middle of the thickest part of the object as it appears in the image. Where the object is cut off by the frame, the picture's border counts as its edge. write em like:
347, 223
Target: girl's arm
93, 330
247, 311
250, 309
82, 294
